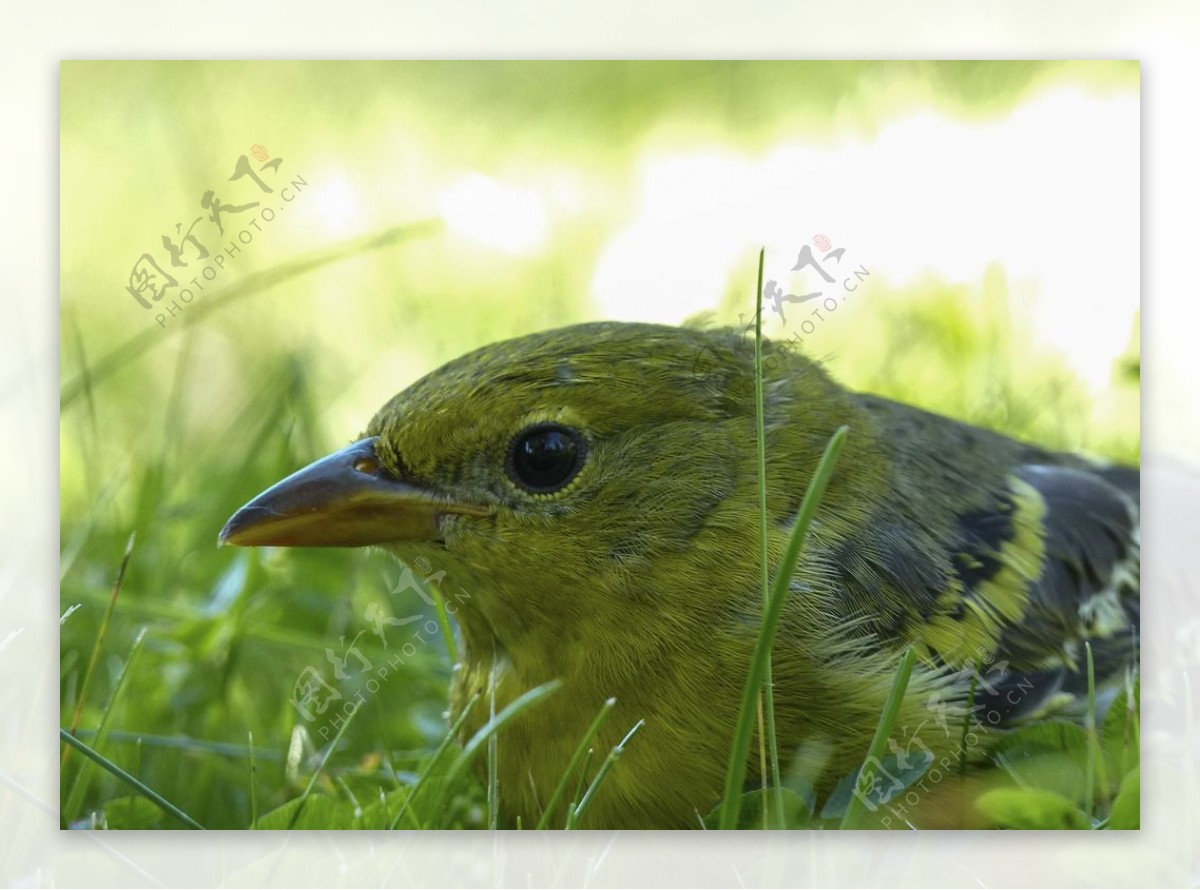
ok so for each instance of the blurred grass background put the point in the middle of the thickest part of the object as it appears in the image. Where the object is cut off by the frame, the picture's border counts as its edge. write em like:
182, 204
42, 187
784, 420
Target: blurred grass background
516, 184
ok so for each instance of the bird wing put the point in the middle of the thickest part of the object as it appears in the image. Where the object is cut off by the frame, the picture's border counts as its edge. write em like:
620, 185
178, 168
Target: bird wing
1051, 564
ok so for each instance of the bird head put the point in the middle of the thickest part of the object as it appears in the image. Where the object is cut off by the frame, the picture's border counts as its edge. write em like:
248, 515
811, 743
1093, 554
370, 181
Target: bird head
593, 483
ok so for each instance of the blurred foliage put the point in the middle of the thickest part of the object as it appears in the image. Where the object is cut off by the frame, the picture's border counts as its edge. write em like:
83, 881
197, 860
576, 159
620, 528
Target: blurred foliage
166, 430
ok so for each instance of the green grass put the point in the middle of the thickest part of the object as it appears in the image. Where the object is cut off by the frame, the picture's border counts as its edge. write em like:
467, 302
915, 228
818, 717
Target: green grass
179, 651
178, 660
758, 679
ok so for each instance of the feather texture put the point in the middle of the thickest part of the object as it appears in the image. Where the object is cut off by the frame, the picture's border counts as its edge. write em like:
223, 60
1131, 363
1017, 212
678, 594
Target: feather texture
633, 572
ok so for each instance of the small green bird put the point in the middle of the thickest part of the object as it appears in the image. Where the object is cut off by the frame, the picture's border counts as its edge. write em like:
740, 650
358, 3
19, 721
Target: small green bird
595, 490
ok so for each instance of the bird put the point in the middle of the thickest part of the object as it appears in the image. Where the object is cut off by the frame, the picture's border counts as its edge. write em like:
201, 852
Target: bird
595, 488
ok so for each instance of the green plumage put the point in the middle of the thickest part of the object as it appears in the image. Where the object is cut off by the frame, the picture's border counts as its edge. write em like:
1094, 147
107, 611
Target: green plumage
638, 577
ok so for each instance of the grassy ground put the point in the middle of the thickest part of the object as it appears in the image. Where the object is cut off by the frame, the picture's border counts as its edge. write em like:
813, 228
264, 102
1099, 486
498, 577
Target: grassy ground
183, 673
179, 661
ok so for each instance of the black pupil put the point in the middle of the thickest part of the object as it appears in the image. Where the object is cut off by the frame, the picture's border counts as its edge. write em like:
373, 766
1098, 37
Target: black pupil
546, 458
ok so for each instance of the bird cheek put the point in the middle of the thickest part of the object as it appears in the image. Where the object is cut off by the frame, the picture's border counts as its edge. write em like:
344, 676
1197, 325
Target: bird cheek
463, 533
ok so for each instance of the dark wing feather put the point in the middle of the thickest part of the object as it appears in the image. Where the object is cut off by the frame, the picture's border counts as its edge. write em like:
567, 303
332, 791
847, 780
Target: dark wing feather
996, 559
1087, 590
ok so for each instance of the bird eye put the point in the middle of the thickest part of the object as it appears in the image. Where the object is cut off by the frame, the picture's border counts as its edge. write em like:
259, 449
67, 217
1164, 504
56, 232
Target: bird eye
545, 457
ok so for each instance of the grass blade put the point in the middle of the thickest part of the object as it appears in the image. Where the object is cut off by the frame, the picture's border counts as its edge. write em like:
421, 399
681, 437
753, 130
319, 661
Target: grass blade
575, 758
510, 712
883, 729
1097, 775
439, 605
579, 789
143, 789
312, 780
83, 776
253, 783
253, 283
601, 775
493, 755
100, 635
768, 689
451, 735
735, 775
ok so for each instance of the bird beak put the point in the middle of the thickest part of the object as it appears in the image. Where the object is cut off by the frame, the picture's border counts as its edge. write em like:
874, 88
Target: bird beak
343, 500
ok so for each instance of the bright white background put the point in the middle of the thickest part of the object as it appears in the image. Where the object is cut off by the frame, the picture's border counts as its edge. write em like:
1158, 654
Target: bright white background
1164, 36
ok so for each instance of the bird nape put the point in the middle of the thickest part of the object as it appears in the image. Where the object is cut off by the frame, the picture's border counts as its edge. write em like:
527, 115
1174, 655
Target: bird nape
595, 488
